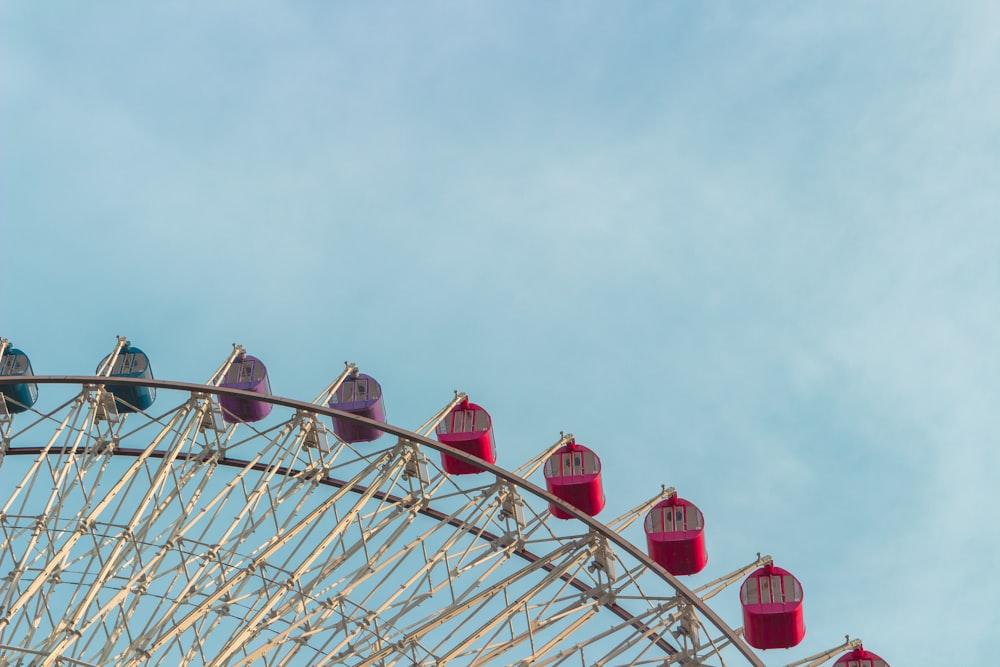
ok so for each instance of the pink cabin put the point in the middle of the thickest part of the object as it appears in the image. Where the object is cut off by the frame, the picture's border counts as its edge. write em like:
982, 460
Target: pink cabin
675, 536
467, 427
859, 657
772, 608
573, 473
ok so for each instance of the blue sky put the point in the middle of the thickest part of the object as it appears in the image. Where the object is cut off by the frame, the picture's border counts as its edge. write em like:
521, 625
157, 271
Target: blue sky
750, 250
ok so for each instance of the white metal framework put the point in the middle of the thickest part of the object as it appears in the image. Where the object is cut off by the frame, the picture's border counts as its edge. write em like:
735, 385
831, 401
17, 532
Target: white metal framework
169, 537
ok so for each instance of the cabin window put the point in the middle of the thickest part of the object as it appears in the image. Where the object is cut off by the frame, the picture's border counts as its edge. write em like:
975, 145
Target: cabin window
354, 390
14, 364
793, 591
774, 588
654, 521
235, 372
129, 363
122, 364
247, 370
750, 592
346, 392
765, 589
459, 421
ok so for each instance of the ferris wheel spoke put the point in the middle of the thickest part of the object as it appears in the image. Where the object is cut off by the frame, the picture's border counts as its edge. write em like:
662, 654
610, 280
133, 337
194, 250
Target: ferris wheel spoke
272, 546
23, 490
309, 623
552, 584
454, 616
272, 601
375, 564
120, 544
177, 539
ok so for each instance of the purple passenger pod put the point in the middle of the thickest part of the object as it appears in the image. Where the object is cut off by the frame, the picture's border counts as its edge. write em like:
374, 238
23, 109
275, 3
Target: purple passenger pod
359, 395
247, 373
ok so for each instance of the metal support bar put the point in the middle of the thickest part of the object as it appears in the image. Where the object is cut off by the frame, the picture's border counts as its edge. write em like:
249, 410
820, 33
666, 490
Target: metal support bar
628, 518
713, 588
350, 369
818, 659
105, 368
219, 375
427, 428
534, 464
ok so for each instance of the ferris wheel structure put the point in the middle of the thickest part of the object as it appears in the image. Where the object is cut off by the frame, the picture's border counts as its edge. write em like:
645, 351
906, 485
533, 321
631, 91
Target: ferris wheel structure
179, 533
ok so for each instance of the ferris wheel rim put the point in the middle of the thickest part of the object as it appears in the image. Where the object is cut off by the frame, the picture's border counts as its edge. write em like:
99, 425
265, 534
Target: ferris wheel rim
602, 530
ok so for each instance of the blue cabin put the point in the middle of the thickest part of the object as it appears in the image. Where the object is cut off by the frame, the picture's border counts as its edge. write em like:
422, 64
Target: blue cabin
130, 363
18, 397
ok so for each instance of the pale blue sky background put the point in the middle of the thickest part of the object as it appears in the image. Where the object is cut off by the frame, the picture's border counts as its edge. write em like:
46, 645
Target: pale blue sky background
747, 249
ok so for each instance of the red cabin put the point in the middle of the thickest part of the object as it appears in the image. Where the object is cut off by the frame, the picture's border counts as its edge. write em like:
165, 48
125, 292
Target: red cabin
859, 657
675, 536
573, 474
467, 427
772, 608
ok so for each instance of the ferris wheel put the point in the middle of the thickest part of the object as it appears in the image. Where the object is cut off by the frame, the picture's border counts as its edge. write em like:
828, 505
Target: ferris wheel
165, 523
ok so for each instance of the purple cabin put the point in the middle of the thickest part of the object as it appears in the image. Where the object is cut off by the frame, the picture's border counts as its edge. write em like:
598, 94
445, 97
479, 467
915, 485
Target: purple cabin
467, 427
249, 374
359, 395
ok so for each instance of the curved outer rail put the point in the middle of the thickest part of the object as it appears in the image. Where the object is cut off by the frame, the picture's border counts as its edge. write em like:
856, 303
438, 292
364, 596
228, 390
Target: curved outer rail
521, 483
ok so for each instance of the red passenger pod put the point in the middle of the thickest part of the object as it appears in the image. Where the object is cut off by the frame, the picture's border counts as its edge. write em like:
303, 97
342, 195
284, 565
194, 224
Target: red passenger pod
772, 609
467, 427
859, 657
573, 474
675, 536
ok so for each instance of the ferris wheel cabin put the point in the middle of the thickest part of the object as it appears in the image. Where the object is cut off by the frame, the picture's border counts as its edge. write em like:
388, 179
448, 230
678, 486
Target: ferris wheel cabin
249, 374
772, 608
675, 536
131, 362
573, 473
859, 657
17, 397
359, 395
467, 427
